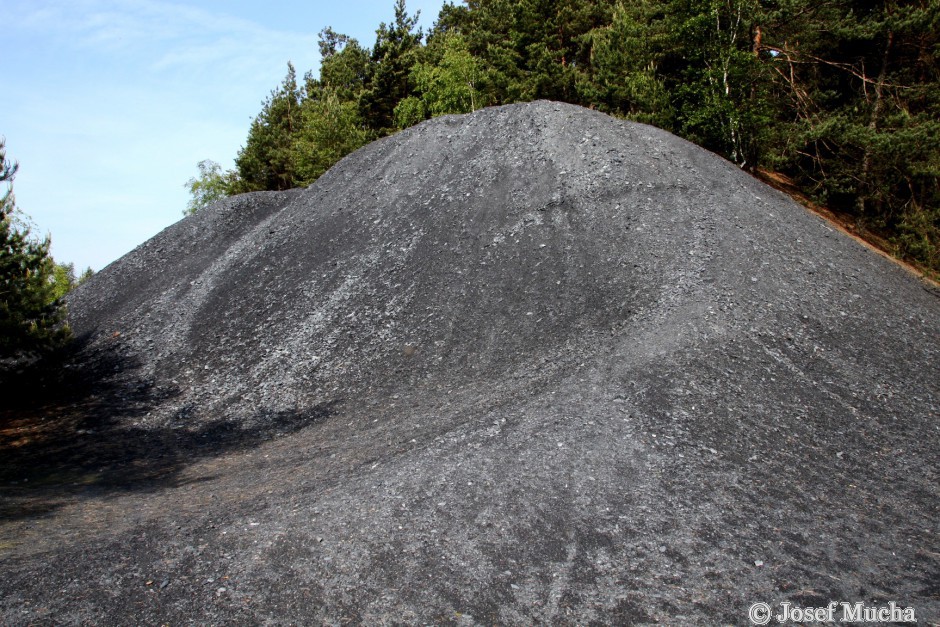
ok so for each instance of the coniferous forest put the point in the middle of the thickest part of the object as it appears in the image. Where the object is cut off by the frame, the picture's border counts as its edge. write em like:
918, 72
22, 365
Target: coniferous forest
838, 98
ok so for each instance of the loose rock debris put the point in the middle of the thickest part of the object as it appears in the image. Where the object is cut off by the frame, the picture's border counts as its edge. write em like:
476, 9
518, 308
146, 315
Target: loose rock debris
528, 365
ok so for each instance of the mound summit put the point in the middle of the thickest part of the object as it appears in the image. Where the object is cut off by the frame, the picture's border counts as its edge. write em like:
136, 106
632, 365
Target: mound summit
527, 365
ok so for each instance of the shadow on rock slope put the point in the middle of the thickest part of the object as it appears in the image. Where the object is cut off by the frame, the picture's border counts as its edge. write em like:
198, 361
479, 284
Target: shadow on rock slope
77, 426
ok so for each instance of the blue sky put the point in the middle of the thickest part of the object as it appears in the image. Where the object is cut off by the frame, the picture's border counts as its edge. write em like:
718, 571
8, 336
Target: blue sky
108, 105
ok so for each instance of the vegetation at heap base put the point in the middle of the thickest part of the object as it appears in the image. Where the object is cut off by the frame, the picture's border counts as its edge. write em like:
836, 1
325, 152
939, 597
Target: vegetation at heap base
840, 96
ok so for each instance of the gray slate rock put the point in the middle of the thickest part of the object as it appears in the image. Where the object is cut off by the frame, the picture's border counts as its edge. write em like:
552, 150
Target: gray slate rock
532, 340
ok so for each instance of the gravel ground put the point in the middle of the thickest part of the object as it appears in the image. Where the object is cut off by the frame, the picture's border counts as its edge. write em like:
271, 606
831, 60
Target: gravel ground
529, 365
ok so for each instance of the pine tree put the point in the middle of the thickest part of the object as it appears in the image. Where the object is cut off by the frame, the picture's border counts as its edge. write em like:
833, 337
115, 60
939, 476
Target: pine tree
625, 55
392, 59
31, 317
265, 162
861, 85
344, 66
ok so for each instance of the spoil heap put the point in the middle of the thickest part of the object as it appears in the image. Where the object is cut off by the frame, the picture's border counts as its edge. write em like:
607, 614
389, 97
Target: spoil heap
530, 364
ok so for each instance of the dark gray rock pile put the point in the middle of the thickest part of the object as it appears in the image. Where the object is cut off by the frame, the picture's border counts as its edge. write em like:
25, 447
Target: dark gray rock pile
532, 364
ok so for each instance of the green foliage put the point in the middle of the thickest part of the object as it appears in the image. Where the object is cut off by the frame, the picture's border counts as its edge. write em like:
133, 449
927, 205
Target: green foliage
861, 125
31, 315
451, 19
344, 66
265, 162
64, 279
451, 85
211, 185
494, 34
395, 51
716, 96
918, 236
331, 129
532, 48
623, 78
410, 111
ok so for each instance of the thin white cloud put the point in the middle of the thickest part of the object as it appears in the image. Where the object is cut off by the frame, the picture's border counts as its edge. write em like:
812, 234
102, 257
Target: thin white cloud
117, 100
111, 103
166, 36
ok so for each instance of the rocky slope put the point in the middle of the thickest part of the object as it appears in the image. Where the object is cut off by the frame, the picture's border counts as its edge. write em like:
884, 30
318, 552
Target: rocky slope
533, 364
